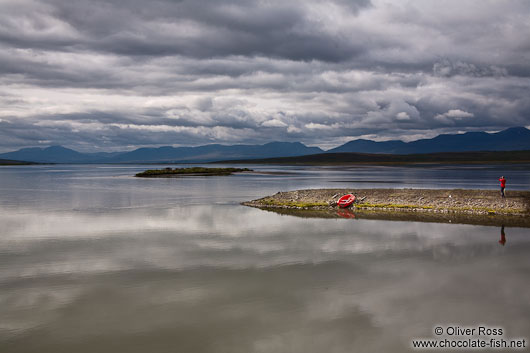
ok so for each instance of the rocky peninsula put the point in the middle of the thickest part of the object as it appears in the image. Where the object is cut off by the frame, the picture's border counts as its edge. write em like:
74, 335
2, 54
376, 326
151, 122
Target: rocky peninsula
460, 205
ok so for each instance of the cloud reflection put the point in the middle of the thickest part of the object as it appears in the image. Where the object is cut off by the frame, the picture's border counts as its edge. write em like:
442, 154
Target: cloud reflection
236, 279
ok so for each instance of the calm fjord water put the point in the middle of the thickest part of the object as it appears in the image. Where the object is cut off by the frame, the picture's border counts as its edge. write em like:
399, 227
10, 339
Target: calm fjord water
94, 260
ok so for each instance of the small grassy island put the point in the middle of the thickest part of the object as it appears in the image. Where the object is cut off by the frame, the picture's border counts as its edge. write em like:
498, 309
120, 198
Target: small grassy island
457, 205
12, 162
193, 171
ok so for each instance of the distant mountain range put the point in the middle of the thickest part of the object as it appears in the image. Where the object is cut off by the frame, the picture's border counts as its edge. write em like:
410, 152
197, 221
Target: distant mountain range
512, 139
167, 154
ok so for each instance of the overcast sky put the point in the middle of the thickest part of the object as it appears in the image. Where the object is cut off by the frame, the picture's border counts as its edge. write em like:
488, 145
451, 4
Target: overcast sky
119, 74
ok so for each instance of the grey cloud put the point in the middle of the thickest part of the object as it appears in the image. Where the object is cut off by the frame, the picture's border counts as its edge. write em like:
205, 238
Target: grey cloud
111, 74
447, 68
191, 28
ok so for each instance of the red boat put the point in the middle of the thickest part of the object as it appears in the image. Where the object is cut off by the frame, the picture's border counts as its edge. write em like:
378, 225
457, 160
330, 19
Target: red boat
346, 200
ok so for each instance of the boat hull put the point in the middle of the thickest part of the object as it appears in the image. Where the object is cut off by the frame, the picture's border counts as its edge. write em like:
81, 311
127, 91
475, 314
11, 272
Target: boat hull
346, 201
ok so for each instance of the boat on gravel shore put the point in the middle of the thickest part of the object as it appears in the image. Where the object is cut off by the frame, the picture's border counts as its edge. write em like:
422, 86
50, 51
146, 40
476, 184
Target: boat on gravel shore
346, 200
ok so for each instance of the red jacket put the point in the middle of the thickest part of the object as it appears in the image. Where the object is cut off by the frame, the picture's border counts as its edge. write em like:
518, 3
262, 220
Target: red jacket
503, 182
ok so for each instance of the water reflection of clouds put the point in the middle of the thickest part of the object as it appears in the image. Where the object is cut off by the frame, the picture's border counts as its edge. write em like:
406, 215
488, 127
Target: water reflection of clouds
202, 277
217, 236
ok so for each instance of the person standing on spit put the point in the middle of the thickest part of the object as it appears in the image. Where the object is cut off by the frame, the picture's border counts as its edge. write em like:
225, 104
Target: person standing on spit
503, 185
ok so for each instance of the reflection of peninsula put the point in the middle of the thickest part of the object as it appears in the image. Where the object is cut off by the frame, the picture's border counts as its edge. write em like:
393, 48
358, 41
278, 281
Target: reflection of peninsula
404, 216
197, 171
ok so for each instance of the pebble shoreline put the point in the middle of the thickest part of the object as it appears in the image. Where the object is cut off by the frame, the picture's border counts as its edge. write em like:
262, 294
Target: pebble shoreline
477, 202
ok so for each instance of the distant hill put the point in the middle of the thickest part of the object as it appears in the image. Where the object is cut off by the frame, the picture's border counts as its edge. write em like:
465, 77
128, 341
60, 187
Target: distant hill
210, 153
372, 158
512, 139
56, 154
167, 154
12, 162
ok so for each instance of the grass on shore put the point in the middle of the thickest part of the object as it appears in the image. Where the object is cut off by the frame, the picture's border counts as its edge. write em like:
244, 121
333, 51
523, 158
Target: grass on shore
190, 171
293, 203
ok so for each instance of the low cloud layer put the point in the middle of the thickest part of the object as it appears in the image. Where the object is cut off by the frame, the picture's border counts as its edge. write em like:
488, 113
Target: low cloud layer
113, 75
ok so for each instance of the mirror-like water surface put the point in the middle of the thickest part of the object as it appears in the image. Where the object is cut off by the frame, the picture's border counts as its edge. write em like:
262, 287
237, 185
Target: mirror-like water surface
94, 260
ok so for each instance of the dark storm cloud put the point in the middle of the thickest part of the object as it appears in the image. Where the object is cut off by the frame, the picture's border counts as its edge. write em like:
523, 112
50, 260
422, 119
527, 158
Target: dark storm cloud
205, 28
118, 74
